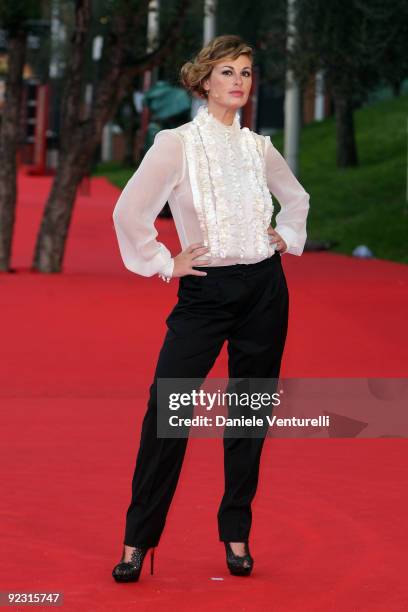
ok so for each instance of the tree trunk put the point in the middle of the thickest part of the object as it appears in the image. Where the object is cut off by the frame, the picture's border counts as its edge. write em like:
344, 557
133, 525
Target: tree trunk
9, 140
55, 223
396, 88
129, 135
346, 149
128, 120
75, 154
80, 137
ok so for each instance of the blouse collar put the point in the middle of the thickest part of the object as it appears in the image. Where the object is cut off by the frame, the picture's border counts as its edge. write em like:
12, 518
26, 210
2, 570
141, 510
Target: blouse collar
206, 119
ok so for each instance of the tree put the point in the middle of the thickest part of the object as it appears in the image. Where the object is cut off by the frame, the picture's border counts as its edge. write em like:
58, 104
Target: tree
79, 135
348, 40
14, 18
128, 120
394, 64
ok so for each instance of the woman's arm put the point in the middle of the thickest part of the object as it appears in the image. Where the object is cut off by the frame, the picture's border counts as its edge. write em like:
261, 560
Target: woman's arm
293, 199
140, 202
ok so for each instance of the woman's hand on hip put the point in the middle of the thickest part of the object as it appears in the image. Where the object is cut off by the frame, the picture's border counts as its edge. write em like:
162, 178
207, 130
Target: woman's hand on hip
184, 261
278, 241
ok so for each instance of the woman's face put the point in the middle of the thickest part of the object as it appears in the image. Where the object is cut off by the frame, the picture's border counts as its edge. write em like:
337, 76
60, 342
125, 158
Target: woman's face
230, 82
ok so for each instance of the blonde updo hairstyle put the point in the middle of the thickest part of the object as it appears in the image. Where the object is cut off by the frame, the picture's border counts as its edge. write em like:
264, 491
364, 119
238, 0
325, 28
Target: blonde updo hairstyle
192, 74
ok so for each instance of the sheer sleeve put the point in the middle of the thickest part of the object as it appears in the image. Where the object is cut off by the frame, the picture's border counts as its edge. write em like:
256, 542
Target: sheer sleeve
140, 202
292, 197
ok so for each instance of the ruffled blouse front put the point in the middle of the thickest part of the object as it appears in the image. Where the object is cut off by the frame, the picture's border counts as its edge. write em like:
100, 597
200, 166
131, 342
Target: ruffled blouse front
218, 181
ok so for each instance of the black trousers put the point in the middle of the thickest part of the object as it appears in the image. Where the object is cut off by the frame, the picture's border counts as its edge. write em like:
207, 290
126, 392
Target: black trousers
247, 306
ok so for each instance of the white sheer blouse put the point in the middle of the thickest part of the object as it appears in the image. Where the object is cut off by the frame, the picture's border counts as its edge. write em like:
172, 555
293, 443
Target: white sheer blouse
165, 174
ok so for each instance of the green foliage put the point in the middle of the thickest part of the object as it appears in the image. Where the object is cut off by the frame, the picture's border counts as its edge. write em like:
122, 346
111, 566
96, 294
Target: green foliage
14, 14
351, 41
187, 45
263, 25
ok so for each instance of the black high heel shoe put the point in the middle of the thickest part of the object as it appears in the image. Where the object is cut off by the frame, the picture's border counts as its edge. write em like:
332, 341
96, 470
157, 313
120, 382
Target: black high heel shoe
237, 565
129, 571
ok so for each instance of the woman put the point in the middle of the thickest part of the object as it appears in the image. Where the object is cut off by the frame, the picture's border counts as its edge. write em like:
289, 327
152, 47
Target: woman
217, 178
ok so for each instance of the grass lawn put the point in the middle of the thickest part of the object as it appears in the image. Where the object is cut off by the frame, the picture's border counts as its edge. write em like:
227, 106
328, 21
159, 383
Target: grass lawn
362, 205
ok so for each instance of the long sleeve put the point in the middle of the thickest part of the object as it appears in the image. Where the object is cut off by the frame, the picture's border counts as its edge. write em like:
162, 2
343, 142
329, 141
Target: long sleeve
292, 197
140, 202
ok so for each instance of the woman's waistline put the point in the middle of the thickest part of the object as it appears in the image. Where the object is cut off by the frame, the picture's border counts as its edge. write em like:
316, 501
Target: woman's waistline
238, 268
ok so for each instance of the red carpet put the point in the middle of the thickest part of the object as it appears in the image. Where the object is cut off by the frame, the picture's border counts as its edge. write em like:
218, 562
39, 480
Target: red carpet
78, 352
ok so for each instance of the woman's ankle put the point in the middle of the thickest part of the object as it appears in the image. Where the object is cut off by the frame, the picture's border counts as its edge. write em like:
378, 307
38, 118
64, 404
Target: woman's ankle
127, 552
238, 548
